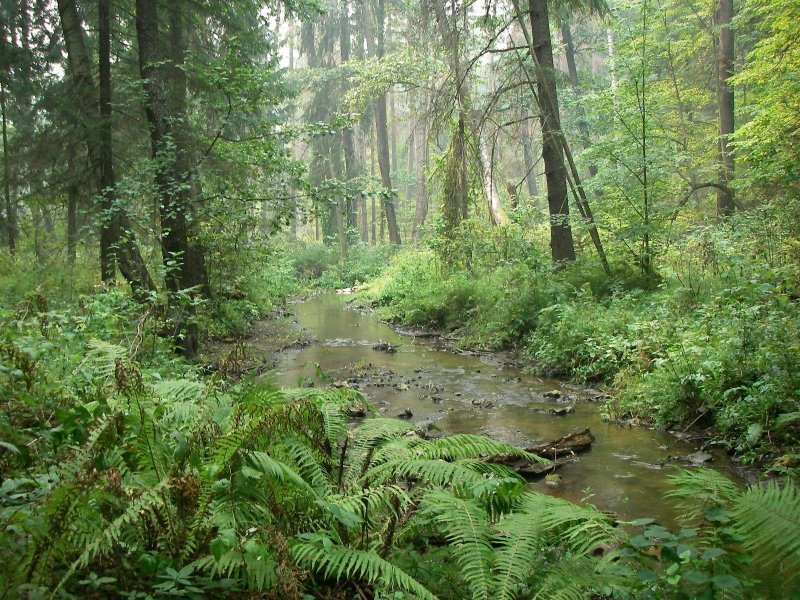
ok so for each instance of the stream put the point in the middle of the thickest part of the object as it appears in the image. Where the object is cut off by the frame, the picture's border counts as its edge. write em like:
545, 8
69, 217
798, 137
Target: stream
625, 471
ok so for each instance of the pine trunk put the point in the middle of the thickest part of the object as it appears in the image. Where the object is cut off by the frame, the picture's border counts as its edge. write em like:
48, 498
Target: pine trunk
125, 251
561, 244
172, 200
382, 134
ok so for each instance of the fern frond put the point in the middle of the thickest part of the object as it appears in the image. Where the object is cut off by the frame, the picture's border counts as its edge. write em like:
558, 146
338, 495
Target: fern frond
91, 447
262, 463
582, 528
372, 501
102, 357
149, 502
464, 445
375, 442
465, 473
517, 551
251, 562
768, 518
179, 390
308, 463
465, 525
574, 577
787, 419
338, 562
699, 489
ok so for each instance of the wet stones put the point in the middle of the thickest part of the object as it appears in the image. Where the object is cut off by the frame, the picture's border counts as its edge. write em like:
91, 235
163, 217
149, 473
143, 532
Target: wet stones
357, 411
483, 403
385, 347
432, 398
699, 458
552, 395
405, 414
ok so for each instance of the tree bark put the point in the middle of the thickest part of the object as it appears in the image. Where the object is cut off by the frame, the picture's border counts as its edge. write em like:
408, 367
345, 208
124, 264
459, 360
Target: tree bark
382, 132
124, 250
725, 101
188, 181
561, 243
351, 166
10, 207
11, 211
169, 178
108, 228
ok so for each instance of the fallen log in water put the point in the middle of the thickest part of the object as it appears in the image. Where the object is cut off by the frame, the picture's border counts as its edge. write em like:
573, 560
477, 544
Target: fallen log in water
560, 451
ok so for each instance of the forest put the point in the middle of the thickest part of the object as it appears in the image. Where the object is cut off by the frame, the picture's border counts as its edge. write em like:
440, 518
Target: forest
386, 299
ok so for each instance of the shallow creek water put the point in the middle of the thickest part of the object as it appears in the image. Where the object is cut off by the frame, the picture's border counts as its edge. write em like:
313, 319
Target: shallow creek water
625, 471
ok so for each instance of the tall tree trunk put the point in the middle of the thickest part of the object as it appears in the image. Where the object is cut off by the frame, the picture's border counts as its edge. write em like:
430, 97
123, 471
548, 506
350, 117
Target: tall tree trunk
172, 201
123, 249
411, 152
372, 176
362, 27
561, 244
11, 211
339, 217
361, 199
449, 32
455, 204
393, 130
725, 203
10, 207
351, 166
382, 132
187, 180
108, 228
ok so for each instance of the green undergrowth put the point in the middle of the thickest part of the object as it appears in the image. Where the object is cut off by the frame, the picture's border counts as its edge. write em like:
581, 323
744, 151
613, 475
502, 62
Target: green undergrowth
321, 265
714, 343
126, 473
258, 284
252, 284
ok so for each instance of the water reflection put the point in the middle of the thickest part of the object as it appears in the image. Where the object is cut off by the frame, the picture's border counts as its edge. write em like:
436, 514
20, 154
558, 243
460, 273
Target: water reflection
625, 471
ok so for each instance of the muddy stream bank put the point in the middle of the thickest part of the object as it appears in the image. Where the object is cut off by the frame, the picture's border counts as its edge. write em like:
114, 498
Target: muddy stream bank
437, 386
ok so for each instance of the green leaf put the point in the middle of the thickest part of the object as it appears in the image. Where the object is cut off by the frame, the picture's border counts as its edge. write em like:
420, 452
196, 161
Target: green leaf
696, 577
725, 582
713, 553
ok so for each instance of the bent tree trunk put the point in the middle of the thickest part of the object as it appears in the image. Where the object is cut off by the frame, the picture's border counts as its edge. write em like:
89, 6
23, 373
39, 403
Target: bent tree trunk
118, 249
173, 205
561, 244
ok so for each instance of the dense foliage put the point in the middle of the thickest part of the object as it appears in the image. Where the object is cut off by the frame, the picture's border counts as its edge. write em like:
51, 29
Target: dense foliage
130, 474
609, 189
